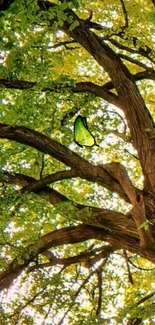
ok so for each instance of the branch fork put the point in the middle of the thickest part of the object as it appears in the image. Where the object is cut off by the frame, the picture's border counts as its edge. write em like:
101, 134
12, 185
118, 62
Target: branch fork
118, 171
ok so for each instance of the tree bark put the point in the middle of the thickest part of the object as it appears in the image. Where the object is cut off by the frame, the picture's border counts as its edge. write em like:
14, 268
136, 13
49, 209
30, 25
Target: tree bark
5, 4
65, 236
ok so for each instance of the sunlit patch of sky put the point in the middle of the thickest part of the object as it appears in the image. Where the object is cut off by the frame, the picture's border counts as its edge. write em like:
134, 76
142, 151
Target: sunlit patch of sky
3, 54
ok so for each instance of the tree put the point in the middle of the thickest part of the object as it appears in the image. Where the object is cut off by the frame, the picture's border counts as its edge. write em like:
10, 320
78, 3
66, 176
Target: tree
75, 221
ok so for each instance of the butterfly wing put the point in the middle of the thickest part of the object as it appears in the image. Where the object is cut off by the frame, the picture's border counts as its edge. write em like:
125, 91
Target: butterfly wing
82, 135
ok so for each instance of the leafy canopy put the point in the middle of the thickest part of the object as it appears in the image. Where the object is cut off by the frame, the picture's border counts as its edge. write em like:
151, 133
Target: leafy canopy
47, 79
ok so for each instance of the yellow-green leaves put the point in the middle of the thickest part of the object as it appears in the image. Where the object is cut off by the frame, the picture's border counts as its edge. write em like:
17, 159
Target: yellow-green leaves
73, 25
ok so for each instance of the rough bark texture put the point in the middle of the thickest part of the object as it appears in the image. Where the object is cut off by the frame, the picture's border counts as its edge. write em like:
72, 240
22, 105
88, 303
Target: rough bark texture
64, 236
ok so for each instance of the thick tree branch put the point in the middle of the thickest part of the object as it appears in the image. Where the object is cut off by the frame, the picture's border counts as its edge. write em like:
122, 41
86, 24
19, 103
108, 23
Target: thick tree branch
51, 195
17, 84
138, 211
44, 144
90, 87
87, 86
119, 172
111, 220
139, 214
65, 236
99, 91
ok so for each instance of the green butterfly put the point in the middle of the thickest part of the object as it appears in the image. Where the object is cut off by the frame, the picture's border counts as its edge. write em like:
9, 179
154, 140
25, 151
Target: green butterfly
82, 135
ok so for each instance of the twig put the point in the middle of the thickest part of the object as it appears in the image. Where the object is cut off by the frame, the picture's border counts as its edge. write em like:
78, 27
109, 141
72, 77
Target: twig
61, 44
28, 302
134, 156
116, 113
6, 242
145, 298
80, 288
140, 64
99, 276
139, 267
69, 115
125, 14
128, 267
42, 165
48, 312
140, 51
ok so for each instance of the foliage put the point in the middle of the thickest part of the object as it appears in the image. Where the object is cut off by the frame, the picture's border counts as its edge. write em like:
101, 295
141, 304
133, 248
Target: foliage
47, 78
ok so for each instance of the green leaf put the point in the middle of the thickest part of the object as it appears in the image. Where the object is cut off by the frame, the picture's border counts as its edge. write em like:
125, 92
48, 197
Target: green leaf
63, 5
74, 25
61, 15
60, 22
145, 225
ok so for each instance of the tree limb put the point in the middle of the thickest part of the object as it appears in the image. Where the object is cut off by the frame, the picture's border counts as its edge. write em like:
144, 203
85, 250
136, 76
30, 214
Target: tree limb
51, 195
140, 51
68, 235
83, 168
99, 91
90, 87
108, 219
74, 234
48, 179
136, 62
89, 258
138, 211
